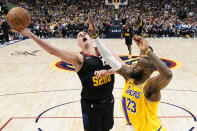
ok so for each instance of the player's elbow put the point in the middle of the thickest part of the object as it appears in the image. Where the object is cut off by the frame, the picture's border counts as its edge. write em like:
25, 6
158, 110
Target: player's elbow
169, 74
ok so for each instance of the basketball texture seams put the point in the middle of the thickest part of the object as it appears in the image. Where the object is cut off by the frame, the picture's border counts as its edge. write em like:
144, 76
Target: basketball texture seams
18, 18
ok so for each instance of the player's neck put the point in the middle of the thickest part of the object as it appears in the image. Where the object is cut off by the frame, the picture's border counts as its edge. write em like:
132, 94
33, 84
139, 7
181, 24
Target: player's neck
89, 50
140, 81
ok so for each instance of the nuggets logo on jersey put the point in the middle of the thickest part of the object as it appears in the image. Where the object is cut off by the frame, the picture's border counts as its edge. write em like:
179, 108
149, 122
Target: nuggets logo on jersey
69, 67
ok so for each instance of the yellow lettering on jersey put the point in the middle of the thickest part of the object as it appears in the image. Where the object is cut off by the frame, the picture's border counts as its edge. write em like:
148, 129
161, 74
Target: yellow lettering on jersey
109, 78
101, 81
105, 79
127, 34
95, 80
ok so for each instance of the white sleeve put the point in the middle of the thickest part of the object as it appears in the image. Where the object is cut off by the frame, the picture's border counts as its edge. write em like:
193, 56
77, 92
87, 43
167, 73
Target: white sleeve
107, 55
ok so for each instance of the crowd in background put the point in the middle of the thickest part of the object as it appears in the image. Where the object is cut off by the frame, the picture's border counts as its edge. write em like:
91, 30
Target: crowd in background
158, 18
65, 18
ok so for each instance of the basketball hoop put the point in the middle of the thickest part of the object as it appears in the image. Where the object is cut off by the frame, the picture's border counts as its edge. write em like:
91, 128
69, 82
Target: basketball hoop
116, 4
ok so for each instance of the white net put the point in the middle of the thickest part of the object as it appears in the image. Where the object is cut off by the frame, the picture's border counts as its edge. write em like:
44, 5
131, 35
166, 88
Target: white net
116, 3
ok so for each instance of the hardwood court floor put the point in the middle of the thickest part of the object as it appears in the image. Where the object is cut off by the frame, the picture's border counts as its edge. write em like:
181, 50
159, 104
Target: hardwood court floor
30, 86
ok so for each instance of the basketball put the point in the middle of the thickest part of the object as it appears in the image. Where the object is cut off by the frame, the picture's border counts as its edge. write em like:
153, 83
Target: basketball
18, 18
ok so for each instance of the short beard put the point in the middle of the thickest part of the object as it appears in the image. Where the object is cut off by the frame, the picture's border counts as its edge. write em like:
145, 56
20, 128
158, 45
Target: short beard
137, 75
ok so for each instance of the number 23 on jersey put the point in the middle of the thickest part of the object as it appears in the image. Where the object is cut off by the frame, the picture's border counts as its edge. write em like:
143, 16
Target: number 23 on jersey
131, 105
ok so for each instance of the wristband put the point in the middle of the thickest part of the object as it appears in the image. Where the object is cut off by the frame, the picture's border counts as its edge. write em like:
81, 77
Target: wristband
148, 51
95, 36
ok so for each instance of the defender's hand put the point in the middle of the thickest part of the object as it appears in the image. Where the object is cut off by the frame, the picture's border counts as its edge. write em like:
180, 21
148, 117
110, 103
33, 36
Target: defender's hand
92, 29
101, 73
141, 43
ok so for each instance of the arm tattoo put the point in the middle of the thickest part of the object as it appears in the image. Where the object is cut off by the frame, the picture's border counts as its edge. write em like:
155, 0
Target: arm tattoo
125, 71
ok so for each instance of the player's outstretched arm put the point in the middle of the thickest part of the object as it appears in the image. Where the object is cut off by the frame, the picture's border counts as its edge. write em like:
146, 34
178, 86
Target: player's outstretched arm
165, 75
116, 65
94, 35
67, 56
108, 56
104, 73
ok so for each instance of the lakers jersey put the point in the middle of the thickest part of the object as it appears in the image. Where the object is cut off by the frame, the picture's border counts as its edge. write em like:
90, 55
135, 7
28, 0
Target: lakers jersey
138, 111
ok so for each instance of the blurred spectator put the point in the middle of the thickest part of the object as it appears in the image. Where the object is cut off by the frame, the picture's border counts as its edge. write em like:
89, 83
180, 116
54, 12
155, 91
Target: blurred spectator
150, 18
5, 28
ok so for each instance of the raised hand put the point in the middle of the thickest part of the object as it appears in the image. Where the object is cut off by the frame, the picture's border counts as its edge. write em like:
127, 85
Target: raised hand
141, 43
92, 29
